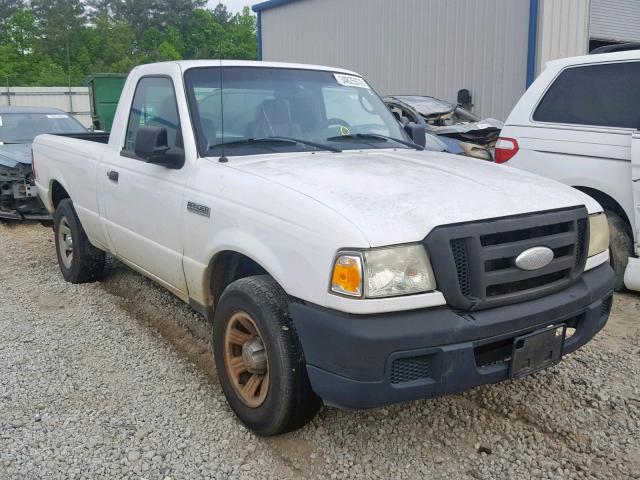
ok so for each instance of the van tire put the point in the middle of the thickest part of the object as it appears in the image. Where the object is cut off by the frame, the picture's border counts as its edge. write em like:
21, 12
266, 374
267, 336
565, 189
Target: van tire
620, 247
79, 261
290, 403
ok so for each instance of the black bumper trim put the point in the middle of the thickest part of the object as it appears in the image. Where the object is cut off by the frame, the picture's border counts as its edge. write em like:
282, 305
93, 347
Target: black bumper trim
350, 357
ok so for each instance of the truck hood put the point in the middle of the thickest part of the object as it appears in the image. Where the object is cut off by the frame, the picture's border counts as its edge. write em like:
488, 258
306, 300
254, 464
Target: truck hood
396, 196
13, 154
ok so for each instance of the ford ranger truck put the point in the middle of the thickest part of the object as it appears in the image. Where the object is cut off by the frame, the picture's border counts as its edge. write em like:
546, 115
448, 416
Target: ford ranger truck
338, 260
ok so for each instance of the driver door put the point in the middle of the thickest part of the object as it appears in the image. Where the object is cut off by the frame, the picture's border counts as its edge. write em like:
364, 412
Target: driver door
143, 202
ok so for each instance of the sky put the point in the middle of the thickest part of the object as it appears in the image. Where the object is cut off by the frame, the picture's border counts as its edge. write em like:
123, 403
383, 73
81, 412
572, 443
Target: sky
233, 5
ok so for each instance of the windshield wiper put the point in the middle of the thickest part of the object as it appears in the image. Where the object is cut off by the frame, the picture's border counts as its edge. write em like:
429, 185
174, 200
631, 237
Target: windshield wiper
375, 136
266, 140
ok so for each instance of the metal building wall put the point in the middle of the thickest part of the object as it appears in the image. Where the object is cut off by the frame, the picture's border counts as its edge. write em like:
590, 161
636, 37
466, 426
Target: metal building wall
563, 30
74, 101
617, 20
431, 47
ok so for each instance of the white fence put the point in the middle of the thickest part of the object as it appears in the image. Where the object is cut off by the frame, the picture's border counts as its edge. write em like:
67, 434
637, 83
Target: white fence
74, 100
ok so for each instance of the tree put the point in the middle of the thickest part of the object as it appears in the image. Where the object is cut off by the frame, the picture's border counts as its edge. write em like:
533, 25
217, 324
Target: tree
202, 40
62, 28
240, 41
99, 8
59, 41
139, 14
222, 15
7, 8
111, 46
21, 31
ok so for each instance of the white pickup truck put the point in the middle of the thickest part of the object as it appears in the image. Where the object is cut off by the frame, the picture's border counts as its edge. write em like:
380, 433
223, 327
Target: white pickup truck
337, 259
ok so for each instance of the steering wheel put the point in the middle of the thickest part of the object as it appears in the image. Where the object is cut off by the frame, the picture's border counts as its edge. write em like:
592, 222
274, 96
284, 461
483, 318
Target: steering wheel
343, 127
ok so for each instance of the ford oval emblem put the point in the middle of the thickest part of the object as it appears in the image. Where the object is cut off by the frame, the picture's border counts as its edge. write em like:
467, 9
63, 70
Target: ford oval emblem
534, 258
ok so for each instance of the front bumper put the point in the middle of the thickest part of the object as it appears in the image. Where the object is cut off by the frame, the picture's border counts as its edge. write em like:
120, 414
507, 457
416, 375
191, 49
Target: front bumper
364, 361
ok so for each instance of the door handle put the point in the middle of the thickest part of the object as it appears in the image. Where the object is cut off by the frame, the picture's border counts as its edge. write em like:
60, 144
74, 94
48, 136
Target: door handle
113, 176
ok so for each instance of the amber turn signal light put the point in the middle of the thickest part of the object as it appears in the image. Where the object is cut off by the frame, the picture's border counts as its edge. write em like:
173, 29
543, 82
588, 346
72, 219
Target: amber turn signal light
347, 276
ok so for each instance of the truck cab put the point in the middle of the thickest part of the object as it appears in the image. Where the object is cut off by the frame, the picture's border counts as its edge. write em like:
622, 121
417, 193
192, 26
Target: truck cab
578, 124
337, 260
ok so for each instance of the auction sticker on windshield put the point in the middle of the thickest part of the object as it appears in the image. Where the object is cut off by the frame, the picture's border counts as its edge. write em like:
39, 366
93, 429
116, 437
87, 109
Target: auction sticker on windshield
351, 81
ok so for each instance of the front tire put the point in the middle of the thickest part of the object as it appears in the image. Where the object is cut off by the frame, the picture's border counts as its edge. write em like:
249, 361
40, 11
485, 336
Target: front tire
620, 247
79, 261
259, 358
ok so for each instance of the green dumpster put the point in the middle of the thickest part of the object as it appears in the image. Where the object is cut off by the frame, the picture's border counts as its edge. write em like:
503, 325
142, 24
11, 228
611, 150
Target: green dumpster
104, 93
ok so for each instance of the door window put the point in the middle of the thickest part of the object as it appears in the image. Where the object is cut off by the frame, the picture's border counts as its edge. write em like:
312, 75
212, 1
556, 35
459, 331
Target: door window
154, 104
601, 95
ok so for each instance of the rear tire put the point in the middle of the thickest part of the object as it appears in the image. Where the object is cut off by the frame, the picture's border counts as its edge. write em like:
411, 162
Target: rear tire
79, 261
620, 247
287, 402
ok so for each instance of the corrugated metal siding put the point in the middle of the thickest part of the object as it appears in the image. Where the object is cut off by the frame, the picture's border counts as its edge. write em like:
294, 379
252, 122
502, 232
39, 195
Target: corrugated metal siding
430, 47
76, 102
617, 20
562, 30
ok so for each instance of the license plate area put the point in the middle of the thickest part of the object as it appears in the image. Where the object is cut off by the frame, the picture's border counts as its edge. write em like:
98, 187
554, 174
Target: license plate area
536, 351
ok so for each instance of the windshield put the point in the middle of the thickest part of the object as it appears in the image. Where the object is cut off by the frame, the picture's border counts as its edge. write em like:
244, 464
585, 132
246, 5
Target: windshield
286, 110
23, 127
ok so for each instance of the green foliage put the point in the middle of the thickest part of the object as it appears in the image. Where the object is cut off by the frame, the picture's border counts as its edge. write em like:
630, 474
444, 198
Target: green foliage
57, 42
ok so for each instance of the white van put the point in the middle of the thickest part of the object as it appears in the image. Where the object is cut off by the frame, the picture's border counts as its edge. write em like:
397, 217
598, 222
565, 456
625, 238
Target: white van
578, 123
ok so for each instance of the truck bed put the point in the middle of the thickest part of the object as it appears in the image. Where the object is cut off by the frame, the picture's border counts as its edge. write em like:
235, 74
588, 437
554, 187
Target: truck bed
99, 137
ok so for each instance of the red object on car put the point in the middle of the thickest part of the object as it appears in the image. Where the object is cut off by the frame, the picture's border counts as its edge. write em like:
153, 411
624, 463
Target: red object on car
506, 148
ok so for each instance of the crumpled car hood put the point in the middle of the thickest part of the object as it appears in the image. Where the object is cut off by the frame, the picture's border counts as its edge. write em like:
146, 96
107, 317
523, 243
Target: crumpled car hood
427, 106
488, 124
11, 155
396, 197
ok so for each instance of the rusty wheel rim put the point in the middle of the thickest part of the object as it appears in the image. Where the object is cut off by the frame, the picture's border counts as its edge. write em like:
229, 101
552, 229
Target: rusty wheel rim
245, 359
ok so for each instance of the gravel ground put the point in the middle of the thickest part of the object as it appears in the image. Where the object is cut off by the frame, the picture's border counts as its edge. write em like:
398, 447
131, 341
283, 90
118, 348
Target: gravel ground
116, 380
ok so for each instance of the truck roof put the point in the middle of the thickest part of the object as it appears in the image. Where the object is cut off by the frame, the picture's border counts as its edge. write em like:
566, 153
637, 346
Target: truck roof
187, 64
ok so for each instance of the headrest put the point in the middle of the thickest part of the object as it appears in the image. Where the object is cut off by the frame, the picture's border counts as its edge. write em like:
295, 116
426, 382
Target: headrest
277, 111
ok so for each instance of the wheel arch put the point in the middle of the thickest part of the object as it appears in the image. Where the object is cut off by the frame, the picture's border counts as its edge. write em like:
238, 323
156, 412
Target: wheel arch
58, 193
608, 203
227, 266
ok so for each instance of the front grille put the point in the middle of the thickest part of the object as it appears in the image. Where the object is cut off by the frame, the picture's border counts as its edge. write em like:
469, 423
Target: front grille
409, 369
459, 249
477, 268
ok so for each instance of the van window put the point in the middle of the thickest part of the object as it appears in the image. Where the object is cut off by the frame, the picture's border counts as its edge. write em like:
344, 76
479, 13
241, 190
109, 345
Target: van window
601, 95
154, 104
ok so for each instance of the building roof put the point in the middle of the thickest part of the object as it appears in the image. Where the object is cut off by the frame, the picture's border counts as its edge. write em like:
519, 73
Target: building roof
259, 7
8, 110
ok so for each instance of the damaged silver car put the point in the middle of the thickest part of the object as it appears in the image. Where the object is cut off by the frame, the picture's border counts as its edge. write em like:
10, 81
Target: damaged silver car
460, 130
18, 127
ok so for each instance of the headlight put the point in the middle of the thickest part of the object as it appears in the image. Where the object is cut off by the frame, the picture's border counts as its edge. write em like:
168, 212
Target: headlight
598, 234
383, 272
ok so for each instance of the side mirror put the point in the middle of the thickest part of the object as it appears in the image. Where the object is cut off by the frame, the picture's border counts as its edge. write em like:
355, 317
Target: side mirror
418, 133
151, 144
